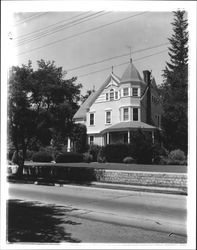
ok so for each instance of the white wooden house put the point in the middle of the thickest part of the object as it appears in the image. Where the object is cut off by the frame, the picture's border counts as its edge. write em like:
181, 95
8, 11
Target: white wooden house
120, 106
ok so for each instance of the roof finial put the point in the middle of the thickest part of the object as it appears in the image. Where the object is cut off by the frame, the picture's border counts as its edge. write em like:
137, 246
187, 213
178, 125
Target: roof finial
112, 69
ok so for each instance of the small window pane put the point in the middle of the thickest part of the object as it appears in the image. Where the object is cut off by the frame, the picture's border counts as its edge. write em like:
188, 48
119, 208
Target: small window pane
135, 114
135, 91
125, 114
116, 95
91, 139
107, 96
91, 119
125, 92
111, 95
108, 117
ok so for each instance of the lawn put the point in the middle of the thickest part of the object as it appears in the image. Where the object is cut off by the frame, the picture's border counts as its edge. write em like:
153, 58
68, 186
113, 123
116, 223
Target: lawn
119, 166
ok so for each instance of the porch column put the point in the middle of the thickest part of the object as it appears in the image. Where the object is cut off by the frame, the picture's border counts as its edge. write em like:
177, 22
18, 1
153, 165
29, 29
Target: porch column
102, 140
128, 137
153, 137
108, 138
68, 145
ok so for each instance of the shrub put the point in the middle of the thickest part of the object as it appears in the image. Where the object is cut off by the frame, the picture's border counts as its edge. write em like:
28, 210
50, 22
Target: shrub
87, 157
141, 147
94, 150
177, 155
114, 152
69, 157
128, 159
159, 153
42, 157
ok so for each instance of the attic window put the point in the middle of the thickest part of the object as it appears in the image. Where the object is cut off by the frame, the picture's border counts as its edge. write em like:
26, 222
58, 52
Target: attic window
111, 95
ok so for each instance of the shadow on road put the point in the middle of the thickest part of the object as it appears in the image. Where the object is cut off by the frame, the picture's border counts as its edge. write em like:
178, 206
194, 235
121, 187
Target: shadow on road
34, 222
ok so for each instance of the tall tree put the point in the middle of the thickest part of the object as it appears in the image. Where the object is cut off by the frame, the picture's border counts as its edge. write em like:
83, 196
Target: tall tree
41, 105
175, 86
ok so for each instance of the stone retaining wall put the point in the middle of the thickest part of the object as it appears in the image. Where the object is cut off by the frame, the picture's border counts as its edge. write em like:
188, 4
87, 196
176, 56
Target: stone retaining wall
143, 178
80, 174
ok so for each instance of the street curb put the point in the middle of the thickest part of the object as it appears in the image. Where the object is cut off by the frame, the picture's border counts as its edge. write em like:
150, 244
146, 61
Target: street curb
126, 187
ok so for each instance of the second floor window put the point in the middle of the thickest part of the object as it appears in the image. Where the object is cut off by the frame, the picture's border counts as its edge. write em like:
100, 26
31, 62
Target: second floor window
134, 91
107, 96
126, 114
135, 114
108, 117
116, 95
125, 91
92, 119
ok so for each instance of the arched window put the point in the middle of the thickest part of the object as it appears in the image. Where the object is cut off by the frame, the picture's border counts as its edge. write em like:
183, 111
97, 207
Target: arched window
111, 95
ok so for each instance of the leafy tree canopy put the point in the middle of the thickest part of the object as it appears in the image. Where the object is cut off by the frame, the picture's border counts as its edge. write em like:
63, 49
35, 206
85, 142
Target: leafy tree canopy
41, 104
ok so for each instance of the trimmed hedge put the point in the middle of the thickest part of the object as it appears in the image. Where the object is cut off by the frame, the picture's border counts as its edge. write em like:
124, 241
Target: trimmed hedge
115, 152
68, 157
42, 157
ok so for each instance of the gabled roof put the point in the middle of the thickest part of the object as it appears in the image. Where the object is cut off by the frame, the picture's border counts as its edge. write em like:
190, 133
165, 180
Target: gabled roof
125, 126
81, 113
131, 74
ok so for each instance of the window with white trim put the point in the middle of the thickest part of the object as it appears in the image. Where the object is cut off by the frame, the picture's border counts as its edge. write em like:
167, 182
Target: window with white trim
135, 114
111, 95
125, 91
125, 114
91, 118
108, 117
134, 91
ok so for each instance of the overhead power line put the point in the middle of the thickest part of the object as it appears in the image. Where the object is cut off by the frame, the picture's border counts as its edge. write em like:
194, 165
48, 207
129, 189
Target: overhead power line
52, 25
118, 65
118, 56
27, 19
81, 33
62, 27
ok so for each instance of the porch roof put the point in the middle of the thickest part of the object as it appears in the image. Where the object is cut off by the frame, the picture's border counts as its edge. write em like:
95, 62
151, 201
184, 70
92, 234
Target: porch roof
125, 126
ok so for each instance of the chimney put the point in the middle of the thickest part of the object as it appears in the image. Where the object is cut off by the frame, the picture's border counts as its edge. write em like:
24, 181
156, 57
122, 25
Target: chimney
147, 80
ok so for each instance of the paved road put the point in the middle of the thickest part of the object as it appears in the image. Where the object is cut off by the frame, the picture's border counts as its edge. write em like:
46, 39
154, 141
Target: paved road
155, 212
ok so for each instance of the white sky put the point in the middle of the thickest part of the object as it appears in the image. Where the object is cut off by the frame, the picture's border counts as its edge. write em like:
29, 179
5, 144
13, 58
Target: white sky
142, 31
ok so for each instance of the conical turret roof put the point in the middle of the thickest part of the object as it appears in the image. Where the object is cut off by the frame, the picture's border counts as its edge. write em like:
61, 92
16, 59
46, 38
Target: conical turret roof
131, 74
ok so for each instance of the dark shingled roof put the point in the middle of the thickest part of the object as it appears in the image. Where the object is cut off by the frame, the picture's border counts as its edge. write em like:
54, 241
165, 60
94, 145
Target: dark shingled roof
81, 113
131, 74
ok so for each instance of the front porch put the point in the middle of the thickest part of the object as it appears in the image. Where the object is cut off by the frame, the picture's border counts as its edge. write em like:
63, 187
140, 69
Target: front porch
124, 131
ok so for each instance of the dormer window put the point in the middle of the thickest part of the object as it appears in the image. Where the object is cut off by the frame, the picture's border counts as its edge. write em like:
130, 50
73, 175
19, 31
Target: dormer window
125, 91
134, 91
111, 94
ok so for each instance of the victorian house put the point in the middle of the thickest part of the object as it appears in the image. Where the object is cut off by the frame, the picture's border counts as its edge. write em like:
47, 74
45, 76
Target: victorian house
120, 107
